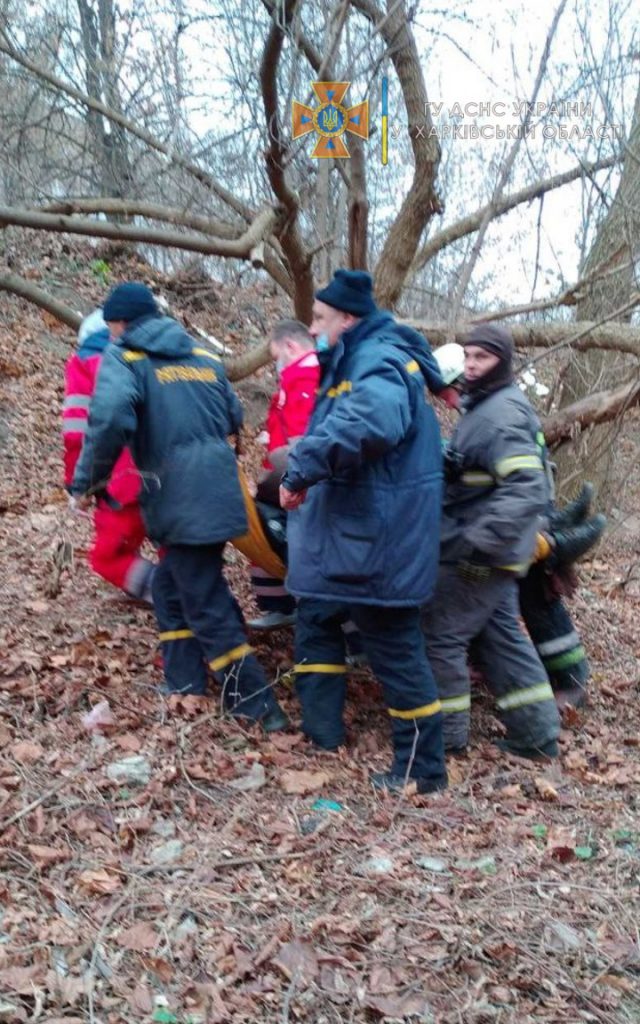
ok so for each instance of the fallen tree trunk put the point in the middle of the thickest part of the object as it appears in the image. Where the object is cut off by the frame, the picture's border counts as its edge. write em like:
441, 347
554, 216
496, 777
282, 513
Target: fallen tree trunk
32, 293
558, 427
240, 248
237, 369
601, 407
246, 364
580, 336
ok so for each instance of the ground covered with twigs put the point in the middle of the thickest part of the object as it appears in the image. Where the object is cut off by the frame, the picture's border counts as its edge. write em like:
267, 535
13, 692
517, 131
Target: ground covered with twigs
171, 866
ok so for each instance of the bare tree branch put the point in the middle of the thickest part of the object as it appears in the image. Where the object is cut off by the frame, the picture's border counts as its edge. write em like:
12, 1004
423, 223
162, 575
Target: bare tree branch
32, 293
246, 364
614, 337
581, 332
421, 201
238, 368
138, 207
306, 46
60, 86
240, 248
275, 158
601, 407
339, 21
169, 215
505, 173
568, 297
467, 225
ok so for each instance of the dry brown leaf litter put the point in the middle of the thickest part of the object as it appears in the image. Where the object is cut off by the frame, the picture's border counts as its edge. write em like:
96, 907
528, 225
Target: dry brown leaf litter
220, 889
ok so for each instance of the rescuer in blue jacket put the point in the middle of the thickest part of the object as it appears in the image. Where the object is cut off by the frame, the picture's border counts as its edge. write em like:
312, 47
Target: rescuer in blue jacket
364, 489
171, 404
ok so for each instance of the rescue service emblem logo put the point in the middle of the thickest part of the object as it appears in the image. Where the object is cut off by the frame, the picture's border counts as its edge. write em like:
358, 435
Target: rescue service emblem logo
330, 120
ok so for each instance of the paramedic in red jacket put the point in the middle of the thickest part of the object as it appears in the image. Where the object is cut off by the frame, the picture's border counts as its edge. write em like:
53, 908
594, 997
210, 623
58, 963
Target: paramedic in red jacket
293, 350
118, 527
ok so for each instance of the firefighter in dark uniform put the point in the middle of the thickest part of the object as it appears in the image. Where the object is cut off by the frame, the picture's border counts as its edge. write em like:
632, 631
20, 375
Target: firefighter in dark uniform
496, 496
170, 403
363, 487
569, 533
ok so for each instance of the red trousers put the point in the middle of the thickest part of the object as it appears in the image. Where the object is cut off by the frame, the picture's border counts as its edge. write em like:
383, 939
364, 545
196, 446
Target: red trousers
115, 552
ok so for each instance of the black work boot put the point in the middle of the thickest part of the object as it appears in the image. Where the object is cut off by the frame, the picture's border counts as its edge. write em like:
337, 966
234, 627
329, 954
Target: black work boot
574, 512
571, 544
275, 720
387, 782
543, 752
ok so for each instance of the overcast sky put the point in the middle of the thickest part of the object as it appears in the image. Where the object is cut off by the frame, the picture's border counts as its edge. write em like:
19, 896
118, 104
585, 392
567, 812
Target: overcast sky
489, 53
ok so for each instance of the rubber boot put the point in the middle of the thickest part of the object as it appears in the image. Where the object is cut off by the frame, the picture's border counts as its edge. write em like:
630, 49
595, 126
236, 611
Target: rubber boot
545, 752
571, 544
574, 512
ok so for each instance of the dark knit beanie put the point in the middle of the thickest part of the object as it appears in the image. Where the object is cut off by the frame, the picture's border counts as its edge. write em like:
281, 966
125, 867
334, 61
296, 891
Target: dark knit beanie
492, 338
350, 291
129, 301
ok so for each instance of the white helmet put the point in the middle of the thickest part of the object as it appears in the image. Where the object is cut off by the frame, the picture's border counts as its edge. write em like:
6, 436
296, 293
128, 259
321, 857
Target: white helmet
92, 324
450, 360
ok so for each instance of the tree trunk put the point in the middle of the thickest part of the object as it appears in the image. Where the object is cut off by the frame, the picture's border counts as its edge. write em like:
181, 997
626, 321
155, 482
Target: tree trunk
323, 219
358, 209
111, 148
616, 244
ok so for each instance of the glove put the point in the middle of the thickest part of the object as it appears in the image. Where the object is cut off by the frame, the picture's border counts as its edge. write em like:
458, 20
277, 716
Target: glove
543, 547
450, 397
473, 572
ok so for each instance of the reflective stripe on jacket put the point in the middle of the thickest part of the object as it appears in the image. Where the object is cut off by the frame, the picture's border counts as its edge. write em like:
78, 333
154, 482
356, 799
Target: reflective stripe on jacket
81, 372
371, 460
170, 402
494, 508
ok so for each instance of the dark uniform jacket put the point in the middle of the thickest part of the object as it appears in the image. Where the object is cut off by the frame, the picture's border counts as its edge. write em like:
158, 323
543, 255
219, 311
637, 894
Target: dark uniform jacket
171, 404
494, 504
371, 458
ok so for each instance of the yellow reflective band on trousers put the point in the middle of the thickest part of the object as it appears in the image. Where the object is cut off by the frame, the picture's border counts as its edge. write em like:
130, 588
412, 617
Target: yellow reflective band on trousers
176, 634
226, 659
516, 462
320, 667
520, 698
452, 704
422, 712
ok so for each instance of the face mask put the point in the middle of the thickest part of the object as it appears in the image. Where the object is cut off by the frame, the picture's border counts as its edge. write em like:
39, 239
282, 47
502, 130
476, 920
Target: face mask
322, 343
280, 365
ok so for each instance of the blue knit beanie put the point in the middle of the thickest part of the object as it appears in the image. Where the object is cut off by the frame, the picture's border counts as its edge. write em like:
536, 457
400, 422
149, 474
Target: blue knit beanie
350, 291
129, 301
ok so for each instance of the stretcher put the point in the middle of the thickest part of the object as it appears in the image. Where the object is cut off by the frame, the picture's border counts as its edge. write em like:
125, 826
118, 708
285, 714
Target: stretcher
255, 544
